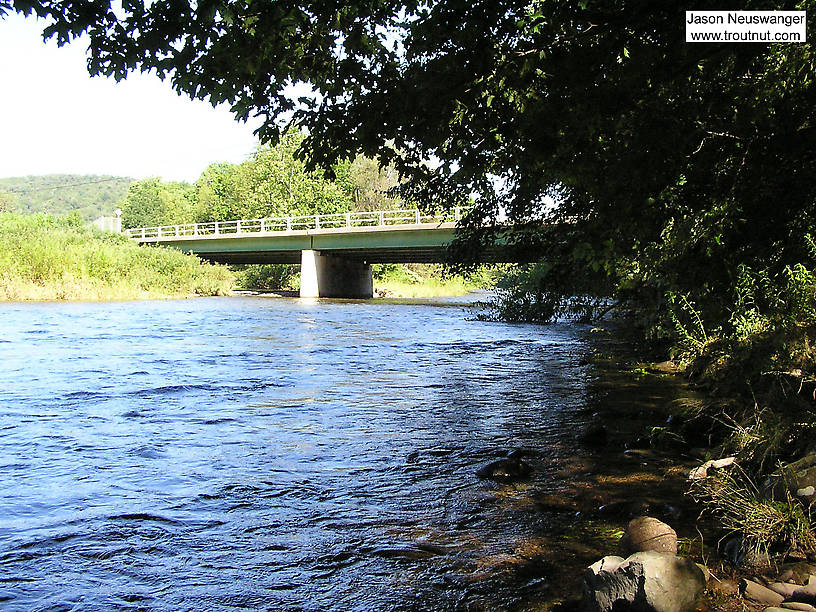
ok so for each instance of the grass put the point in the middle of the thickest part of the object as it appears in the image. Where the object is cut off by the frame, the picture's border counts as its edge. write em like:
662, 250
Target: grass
49, 258
427, 289
741, 508
426, 281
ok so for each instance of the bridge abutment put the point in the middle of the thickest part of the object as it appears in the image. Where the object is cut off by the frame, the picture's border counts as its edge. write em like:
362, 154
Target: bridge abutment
329, 276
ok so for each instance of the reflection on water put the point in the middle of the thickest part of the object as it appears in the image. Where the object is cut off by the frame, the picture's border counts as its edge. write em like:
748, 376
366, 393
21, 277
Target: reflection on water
269, 453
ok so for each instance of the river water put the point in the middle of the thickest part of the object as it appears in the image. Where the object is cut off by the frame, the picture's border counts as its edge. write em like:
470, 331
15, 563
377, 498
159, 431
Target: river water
258, 453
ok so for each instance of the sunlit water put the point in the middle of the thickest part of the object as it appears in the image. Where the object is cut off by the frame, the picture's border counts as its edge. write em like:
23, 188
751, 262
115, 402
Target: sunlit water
251, 453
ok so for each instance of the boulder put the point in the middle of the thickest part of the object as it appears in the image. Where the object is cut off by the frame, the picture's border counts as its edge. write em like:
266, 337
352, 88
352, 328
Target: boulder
798, 572
506, 470
806, 593
595, 435
797, 478
647, 533
759, 593
795, 605
715, 464
785, 589
647, 581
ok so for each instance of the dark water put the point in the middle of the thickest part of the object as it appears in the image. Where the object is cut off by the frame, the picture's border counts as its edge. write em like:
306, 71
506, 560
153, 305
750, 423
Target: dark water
250, 453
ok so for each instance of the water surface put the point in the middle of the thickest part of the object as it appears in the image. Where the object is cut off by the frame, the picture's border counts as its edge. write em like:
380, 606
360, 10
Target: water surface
234, 453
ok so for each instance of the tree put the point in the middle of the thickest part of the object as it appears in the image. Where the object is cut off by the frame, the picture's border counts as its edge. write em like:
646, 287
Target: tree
272, 183
6, 201
151, 202
370, 185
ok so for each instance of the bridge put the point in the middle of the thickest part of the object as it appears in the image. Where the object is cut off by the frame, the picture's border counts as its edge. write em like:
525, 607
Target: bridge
335, 251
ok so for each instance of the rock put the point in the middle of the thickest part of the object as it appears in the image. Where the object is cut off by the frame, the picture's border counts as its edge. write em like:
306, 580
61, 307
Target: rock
807, 593
785, 589
645, 582
648, 533
803, 472
402, 552
794, 477
663, 367
641, 443
760, 594
714, 464
508, 469
796, 605
638, 453
596, 435
798, 572
735, 550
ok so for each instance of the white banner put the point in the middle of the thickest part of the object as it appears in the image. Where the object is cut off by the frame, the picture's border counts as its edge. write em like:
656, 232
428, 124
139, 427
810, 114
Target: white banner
746, 26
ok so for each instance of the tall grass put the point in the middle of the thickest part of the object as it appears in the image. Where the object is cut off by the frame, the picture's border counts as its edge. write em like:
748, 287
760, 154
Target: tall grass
428, 280
49, 258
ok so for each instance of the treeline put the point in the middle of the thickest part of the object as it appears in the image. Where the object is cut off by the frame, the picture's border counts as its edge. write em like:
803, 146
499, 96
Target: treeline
273, 182
59, 194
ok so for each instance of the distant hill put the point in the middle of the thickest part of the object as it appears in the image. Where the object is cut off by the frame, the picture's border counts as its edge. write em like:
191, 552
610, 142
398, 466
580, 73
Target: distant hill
59, 194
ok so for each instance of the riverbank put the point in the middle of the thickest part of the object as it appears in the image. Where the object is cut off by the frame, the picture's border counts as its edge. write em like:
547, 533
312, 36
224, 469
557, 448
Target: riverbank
623, 462
430, 288
428, 281
49, 258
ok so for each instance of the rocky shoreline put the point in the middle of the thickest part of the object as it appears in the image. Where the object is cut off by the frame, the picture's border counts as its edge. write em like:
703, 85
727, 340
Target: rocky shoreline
627, 480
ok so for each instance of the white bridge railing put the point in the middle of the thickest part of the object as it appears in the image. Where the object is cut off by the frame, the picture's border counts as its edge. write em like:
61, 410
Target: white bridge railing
377, 218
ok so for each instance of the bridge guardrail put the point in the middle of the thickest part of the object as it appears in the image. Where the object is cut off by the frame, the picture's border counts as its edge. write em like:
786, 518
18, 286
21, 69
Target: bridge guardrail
377, 218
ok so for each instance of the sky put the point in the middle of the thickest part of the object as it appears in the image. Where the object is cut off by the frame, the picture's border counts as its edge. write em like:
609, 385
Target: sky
56, 119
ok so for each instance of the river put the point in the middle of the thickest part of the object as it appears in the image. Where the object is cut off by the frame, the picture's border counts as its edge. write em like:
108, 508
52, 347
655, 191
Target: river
258, 453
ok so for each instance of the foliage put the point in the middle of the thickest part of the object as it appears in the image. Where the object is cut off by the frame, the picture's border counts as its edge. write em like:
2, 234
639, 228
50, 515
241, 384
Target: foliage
764, 523
428, 280
45, 257
7, 201
58, 194
268, 277
272, 183
370, 186
523, 295
150, 202
771, 318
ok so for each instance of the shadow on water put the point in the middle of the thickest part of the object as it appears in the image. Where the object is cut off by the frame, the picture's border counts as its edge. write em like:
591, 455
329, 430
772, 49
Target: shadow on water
270, 454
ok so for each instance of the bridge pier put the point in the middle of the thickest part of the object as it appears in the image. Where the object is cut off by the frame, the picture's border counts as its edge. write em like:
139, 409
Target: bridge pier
329, 276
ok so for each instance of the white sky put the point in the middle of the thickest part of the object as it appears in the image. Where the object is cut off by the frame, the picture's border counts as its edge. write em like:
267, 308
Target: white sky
55, 118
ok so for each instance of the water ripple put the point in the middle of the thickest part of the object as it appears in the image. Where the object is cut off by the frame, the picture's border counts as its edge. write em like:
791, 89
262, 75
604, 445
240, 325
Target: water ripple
228, 454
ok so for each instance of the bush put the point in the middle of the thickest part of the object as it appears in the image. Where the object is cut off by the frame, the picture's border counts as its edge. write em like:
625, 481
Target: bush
268, 277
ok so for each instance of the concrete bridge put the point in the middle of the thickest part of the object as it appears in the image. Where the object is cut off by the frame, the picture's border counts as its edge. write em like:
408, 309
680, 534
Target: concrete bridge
335, 251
